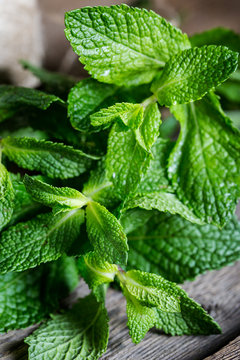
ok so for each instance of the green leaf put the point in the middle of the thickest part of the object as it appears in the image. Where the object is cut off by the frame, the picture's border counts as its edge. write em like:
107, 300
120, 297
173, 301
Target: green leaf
13, 99
204, 165
80, 333
55, 83
84, 99
140, 318
6, 197
175, 312
152, 290
42, 239
126, 161
179, 250
99, 188
148, 131
52, 159
122, 45
191, 320
164, 202
67, 198
23, 203
21, 303
156, 178
134, 218
29, 296
130, 114
217, 36
95, 271
106, 234
189, 75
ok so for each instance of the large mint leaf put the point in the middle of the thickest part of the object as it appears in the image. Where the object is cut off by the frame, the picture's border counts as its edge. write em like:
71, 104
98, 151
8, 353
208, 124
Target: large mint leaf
164, 202
126, 160
130, 114
122, 45
6, 197
205, 164
13, 99
39, 240
28, 297
52, 159
179, 250
85, 98
80, 333
141, 318
189, 75
67, 198
106, 234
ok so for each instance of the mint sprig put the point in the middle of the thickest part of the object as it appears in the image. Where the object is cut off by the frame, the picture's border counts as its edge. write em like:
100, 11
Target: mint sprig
151, 208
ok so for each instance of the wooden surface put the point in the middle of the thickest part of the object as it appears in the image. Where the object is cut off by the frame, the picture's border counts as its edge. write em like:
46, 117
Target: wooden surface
217, 291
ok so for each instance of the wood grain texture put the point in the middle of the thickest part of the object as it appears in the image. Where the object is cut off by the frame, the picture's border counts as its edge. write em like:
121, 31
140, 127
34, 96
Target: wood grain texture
228, 352
217, 291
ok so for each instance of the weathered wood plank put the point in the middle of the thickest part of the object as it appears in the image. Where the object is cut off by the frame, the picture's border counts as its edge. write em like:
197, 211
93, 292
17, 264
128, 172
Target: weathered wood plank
217, 291
228, 352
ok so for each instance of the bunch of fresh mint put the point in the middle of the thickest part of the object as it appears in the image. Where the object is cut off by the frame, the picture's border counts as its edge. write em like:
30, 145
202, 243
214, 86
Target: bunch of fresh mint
117, 200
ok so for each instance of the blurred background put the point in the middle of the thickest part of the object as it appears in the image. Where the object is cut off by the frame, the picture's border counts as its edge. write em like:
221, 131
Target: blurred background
34, 30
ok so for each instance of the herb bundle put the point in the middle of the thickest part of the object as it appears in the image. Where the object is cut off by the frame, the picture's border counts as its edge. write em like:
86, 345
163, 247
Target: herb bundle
106, 194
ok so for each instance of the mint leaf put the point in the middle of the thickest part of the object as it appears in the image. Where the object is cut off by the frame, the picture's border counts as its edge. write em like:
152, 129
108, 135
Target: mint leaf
42, 239
130, 114
28, 297
134, 218
126, 161
148, 131
175, 312
95, 271
122, 45
156, 178
55, 83
140, 317
84, 99
6, 197
204, 165
179, 250
52, 159
13, 99
67, 198
99, 188
189, 75
191, 320
106, 234
152, 290
162, 201
81, 332
23, 203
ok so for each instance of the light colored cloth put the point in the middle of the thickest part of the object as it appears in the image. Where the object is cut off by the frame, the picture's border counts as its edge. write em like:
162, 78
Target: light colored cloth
20, 38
